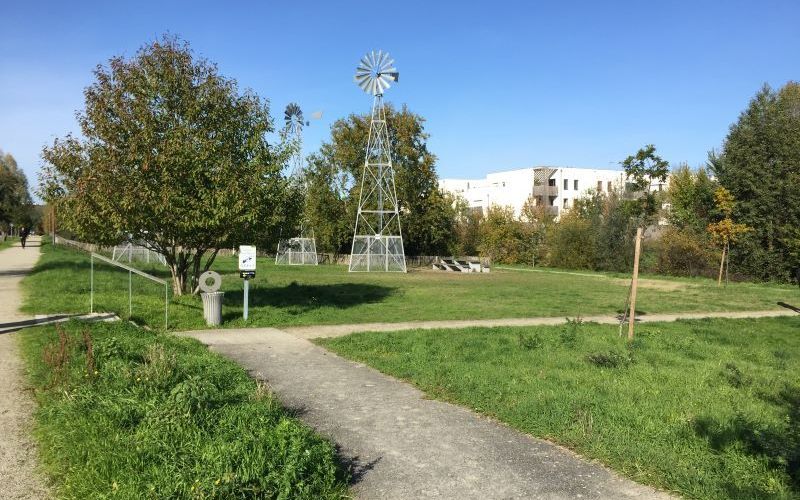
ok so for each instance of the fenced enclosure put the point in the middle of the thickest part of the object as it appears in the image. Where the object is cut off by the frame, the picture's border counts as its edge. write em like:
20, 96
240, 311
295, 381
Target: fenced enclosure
378, 253
108, 281
131, 252
297, 251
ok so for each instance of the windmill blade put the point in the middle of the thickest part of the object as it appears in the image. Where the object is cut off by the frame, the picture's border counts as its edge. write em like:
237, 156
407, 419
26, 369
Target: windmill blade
379, 85
365, 85
384, 84
387, 66
365, 61
394, 76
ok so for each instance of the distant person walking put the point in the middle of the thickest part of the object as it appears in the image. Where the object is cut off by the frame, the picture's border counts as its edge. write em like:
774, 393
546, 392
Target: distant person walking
23, 235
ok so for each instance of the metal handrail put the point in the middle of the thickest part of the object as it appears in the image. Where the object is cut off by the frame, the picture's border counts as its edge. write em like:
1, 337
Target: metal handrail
131, 271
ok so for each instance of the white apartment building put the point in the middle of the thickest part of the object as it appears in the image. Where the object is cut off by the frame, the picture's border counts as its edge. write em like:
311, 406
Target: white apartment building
555, 187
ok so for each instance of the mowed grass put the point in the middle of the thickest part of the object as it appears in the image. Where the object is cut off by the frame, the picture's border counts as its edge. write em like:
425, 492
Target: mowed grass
9, 242
707, 409
125, 413
327, 294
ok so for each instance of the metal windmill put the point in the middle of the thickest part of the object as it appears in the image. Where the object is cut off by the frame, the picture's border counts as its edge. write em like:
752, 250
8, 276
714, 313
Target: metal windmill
300, 249
293, 117
377, 238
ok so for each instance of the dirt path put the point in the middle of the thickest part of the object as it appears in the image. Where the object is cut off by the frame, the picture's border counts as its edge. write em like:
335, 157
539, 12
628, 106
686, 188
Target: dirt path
18, 457
317, 331
401, 444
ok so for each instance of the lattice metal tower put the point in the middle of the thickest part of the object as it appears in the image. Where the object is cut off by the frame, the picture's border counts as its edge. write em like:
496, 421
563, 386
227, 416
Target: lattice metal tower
300, 249
377, 238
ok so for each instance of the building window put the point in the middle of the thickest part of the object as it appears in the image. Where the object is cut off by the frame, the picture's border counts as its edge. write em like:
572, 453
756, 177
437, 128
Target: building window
552, 201
576, 184
566, 184
504, 183
468, 185
609, 186
551, 182
599, 186
566, 203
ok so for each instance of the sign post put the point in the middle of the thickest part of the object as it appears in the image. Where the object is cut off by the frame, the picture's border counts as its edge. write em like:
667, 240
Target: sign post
247, 270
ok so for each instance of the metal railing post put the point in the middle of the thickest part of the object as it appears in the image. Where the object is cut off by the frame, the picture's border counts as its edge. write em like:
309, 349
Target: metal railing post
131, 272
166, 307
91, 287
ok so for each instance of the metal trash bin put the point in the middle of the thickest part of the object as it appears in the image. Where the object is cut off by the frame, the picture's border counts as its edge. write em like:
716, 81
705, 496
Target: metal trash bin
212, 307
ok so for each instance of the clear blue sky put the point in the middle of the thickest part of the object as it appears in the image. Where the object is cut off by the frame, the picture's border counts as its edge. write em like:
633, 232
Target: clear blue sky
501, 84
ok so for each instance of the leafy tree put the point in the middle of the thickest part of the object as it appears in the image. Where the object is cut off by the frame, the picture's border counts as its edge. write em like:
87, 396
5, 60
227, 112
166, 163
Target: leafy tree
538, 222
683, 252
725, 231
427, 215
15, 201
760, 166
502, 236
573, 242
691, 198
468, 222
609, 232
171, 153
326, 206
642, 169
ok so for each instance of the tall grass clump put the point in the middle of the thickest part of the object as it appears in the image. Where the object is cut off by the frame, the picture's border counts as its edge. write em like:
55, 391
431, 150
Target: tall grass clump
132, 414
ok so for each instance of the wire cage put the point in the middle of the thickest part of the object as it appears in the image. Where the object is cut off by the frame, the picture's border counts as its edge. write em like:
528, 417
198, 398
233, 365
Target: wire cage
378, 253
297, 251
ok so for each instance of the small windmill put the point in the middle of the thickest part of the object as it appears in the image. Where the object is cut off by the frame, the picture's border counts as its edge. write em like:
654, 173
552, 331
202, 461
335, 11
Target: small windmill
377, 237
300, 249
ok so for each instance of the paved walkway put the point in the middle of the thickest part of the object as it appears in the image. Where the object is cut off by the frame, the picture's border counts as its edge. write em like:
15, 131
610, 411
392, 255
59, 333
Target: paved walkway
319, 331
402, 445
18, 457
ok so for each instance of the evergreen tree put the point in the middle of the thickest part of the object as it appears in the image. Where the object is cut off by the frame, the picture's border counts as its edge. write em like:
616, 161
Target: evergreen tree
760, 166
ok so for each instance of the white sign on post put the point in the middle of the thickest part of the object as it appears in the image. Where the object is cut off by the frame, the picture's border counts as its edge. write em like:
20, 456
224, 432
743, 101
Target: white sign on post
247, 270
247, 258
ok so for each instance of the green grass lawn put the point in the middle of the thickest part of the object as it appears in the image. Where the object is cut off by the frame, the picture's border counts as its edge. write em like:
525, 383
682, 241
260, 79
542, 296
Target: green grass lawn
125, 413
9, 242
708, 409
326, 294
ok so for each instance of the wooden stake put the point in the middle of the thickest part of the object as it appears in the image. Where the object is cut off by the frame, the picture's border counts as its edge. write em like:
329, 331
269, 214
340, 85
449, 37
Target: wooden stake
634, 283
721, 264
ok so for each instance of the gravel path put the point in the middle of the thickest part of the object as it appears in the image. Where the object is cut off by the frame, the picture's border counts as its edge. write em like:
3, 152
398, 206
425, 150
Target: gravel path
319, 331
401, 445
18, 457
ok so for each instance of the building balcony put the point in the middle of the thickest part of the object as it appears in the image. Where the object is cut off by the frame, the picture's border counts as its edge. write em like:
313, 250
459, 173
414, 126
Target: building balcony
545, 190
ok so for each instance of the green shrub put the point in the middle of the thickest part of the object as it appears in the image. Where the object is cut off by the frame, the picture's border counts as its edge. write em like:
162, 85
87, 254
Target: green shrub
684, 253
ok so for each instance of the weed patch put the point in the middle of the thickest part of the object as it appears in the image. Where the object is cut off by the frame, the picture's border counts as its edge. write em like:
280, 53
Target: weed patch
609, 359
529, 341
